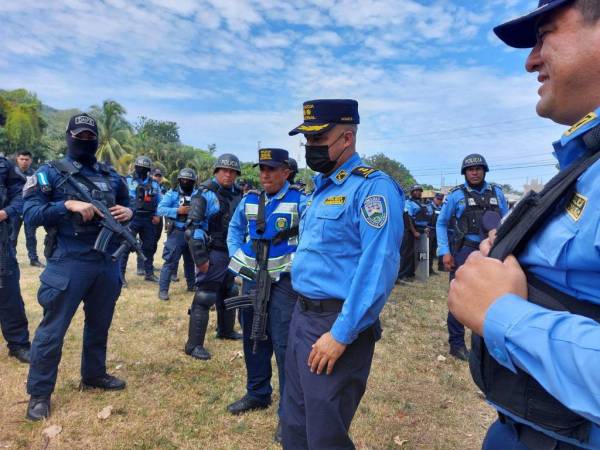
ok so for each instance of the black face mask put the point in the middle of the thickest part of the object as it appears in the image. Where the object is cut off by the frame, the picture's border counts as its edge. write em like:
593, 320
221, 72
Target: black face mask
142, 172
186, 186
317, 157
82, 151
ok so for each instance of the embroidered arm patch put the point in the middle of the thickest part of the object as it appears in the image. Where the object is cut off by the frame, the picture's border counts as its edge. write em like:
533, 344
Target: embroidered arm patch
374, 211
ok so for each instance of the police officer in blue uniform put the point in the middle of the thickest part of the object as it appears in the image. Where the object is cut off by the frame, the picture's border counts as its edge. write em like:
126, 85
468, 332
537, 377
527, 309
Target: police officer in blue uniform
416, 218
23, 170
534, 302
175, 205
277, 208
465, 207
211, 211
144, 194
344, 270
434, 207
75, 272
158, 227
13, 320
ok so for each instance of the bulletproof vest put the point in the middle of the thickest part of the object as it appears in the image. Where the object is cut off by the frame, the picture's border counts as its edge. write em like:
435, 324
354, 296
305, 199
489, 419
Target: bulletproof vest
98, 185
184, 200
519, 393
476, 205
422, 215
145, 195
219, 223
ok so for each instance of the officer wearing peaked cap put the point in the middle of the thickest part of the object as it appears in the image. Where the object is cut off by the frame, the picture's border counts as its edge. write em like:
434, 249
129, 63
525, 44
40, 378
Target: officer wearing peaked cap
534, 302
344, 269
270, 215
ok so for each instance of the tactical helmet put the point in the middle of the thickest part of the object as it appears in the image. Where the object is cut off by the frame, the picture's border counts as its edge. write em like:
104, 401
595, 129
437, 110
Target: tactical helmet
143, 161
293, 165
474, 160
187, 174
228, 161
416, 187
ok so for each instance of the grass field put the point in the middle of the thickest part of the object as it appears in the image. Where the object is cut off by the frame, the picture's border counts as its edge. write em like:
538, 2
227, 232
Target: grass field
414, 399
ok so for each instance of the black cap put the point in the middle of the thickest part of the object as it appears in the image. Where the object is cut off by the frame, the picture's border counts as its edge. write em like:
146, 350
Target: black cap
272, 157
522, 31
82, 122
157, 171
322, 115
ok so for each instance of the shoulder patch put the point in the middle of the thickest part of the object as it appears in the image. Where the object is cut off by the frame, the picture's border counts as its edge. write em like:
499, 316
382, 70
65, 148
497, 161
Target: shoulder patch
374, 211
576, 206
364, 171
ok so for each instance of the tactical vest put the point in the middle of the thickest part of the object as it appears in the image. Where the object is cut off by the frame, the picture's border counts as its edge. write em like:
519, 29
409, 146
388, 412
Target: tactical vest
519, 393
476, 205
219, 223
23, 175
184, 200
98, 185
145, 196
280, 227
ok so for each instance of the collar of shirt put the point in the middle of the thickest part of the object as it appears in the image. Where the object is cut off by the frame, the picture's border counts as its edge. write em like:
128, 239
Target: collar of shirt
570, 147
341, 174
486, 186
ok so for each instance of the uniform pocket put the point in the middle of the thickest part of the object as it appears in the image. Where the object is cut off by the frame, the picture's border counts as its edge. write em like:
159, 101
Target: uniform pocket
53, 284
331, 217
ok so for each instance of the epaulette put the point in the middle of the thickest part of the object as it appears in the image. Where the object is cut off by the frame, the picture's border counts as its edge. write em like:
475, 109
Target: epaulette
364, 171
455, 188
495, 185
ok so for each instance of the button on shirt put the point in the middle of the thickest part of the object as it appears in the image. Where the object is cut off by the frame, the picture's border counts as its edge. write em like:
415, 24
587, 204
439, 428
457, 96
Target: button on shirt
350, 238
560, 350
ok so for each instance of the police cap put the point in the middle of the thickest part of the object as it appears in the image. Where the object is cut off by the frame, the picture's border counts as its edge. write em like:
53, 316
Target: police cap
273, 157
143, 161
187, 174
322, 115
82, 122
522, 31
228, 161
474, 160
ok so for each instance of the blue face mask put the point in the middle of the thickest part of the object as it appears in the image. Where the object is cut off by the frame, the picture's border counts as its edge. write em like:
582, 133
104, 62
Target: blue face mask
83, 151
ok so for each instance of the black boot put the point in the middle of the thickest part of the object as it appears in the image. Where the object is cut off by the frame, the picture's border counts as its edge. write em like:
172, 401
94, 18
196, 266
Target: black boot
106, 382
151, 277
247, 403
21, 353
196, 333
38, 408
225, 324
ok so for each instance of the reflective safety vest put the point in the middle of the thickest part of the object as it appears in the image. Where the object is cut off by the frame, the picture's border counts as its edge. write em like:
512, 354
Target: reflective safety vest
281, 221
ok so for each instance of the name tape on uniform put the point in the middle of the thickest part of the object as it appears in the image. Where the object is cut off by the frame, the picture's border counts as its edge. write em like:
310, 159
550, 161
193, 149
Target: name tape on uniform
335, 200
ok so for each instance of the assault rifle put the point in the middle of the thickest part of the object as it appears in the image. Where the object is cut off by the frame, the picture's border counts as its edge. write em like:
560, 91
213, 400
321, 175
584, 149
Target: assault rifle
5, 244
258, 297
110, 226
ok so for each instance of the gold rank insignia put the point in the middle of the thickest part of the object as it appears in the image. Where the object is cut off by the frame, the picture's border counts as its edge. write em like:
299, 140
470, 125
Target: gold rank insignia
265, 155
335, 200
341, 175
308, 112
587, 119
576, 206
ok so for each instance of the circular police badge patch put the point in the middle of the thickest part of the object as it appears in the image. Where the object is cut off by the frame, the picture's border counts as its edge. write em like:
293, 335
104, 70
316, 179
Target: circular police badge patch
281, 223
374, 210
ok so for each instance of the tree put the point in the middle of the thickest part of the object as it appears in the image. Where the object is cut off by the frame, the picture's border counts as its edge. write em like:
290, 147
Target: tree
21, 120
159, 131
115, 133
392, 167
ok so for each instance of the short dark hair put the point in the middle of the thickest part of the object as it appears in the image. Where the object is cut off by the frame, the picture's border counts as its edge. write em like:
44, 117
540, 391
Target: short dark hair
25, 153
590, 9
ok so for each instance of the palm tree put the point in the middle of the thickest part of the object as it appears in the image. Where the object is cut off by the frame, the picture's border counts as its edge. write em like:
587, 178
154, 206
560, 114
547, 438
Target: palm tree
115, 134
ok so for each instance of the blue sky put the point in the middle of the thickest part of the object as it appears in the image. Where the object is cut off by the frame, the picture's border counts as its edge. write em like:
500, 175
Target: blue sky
432, 81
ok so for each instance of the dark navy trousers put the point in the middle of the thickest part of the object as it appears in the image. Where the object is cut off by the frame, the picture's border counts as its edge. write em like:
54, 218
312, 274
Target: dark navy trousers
456, 330
175, 247
30, 238
142, 226
317, 410
258, 365
13, 320
64, 285
506, 436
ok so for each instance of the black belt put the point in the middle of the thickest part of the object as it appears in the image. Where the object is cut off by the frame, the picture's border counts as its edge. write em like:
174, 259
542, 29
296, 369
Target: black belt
320, 306
536, 440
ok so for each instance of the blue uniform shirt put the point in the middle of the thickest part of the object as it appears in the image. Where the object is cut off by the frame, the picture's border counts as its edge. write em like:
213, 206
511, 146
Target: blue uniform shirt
133, 182
349, 246
560, 350
238, 226
45, 206
170, 202
454, 206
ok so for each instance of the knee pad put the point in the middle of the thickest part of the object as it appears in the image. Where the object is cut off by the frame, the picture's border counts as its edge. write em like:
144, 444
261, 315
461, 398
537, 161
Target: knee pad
204, 299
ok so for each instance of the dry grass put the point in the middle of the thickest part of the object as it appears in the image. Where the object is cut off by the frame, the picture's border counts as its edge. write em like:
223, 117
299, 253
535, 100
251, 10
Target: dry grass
413, 401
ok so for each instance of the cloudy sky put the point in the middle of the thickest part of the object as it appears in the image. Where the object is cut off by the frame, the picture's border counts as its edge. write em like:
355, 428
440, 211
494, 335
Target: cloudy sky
432, 81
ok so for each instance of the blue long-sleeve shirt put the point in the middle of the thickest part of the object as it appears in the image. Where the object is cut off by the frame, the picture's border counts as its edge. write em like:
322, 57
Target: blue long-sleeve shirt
560, 350
350, 238
454, 206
